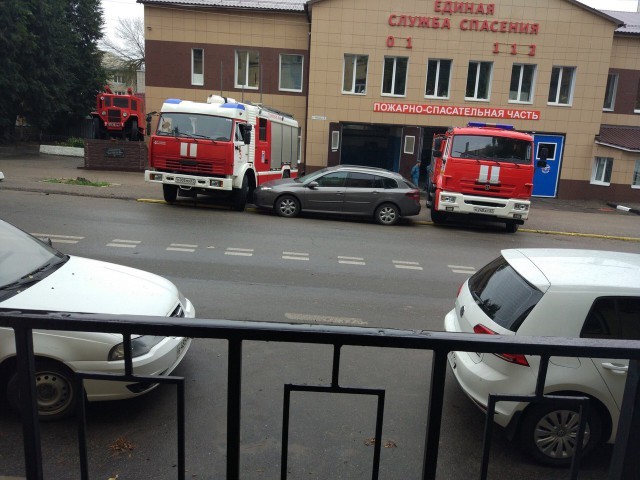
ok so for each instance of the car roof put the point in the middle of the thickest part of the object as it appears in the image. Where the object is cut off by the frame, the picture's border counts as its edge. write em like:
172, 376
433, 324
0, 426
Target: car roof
363, 168
576, 268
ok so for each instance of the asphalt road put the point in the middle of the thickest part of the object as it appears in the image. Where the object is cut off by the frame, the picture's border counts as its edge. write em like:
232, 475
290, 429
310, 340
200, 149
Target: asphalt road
309, 270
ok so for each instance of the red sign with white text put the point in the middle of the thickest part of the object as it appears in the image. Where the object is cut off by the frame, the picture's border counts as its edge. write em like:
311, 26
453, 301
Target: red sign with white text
456, 111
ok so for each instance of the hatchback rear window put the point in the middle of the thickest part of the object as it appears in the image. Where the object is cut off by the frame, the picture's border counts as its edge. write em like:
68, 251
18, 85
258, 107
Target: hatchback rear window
503, 295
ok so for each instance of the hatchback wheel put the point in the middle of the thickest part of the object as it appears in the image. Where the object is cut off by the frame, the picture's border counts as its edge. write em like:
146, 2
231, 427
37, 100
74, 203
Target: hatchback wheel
55, 391
387, 214
287, 206
549, 433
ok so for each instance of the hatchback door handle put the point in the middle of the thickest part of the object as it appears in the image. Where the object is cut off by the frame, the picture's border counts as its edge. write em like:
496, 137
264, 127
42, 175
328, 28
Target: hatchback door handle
615, 367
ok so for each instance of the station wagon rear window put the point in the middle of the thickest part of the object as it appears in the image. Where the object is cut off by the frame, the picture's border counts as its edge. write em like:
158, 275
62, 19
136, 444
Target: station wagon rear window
502, 294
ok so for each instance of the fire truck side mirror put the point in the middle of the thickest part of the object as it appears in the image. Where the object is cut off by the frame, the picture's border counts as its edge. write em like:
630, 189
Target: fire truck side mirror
543, 154
437, 144
437, 154
247, 134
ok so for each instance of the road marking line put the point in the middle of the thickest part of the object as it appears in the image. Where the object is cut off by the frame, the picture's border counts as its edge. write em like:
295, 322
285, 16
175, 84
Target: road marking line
118, 243
211, 246
183, 245
304, 317
402, 262
58, 238
294, 253
295, 256
240, 249
349, 262
239, 254
409, 267
350, 258
463, 267
176, 249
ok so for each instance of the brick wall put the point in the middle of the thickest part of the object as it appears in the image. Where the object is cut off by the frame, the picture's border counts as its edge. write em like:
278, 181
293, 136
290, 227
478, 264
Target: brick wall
119, 155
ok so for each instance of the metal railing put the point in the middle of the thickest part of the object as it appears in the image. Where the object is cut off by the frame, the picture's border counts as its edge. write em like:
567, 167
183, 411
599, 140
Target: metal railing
623, 464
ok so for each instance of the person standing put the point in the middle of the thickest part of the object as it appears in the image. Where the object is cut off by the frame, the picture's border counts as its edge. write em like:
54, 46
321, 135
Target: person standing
415, 173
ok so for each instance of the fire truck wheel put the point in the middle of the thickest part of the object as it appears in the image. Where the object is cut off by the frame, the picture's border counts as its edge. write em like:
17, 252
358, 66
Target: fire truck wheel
287, 206
241, 195
512, 227
133, 134
170, 193
437, 217
387, 214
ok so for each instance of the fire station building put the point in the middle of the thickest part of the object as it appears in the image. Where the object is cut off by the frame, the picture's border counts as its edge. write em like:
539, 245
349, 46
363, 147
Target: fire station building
371, 81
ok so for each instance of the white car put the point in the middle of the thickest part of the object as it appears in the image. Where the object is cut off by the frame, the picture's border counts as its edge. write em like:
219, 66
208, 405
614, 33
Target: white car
35, 276
549, 292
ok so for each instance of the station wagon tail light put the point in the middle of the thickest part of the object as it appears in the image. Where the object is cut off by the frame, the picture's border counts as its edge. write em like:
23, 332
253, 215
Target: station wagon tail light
516, 358
413, 195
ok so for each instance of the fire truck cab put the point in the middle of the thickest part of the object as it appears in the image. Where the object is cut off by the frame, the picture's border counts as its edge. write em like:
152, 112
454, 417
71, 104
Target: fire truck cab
482, 170
221, 147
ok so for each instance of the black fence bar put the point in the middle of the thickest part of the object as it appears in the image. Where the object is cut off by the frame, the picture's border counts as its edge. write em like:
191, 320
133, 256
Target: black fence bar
434, 419
234, 383
29, 406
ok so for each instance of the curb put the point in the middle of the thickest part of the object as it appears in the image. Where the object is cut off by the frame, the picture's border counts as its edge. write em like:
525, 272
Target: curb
623, 208
64, 151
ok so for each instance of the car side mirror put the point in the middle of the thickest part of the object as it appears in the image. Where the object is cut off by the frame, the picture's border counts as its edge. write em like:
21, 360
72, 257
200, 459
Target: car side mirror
247, 134
437, 144
313, 185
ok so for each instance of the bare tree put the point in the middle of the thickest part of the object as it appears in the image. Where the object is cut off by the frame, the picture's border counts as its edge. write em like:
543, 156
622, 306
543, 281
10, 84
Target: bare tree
128, 46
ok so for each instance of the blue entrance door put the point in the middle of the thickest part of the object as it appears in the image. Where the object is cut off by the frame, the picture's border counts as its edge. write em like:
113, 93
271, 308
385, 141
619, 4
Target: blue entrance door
545, 180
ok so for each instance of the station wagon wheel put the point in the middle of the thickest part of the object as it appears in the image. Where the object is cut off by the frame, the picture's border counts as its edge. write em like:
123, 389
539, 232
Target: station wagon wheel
170, 193
549, 432
55, 390
387, 214
287, 206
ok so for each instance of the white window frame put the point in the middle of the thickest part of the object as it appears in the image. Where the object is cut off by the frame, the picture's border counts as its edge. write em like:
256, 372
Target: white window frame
280, 87
521, 77
197, 78
393, 77
245, 54
354, 87
637, 105
563, 70
435, 90
477, 82
409, 144
613, 85
335, 140
600, 179
635, 180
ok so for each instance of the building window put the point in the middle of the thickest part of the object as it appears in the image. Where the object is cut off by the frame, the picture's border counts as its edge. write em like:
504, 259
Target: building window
635, 182
637, 107
601, 174
409, 144
610, 93
291, 72
561, 87
335, 141
197, 66
354, 75
478, 81
247, 69
118, 78
522, 81
438, 78
394, 76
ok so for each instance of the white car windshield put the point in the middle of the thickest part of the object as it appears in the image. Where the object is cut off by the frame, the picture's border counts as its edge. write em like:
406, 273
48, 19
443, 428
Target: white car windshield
24, 259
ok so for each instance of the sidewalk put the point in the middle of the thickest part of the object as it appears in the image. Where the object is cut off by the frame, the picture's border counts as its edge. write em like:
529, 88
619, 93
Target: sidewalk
29, 170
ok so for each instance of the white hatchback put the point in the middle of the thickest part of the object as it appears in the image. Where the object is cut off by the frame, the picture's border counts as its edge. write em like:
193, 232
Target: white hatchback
549, 292
35, 276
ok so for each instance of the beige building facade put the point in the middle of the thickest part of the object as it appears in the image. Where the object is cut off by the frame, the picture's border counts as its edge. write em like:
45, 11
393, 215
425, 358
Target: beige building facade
371, 81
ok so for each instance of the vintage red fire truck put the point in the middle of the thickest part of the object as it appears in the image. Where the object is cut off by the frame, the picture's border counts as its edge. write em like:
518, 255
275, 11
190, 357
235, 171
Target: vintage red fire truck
221, 146
119, 116
482, 170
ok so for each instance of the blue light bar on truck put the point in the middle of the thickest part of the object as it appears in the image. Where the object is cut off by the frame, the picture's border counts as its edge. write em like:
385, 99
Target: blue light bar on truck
173, 100
494, 125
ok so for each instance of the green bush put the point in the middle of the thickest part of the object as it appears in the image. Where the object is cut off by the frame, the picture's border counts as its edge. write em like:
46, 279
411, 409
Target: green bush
73, 142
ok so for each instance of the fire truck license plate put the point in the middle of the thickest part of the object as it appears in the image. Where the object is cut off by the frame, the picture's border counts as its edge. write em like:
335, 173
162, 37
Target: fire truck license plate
483, 210
185, 181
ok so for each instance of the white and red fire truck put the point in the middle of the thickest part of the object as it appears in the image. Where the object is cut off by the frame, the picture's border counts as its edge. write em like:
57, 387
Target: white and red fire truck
221, 146
482, 170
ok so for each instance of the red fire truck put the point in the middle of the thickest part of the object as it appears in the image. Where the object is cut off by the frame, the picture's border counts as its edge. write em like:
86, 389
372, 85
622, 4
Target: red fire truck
221, 146
482, 170
119, 116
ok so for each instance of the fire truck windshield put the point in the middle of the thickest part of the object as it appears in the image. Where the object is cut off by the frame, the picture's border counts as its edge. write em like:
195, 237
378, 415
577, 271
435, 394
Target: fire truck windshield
499, 149
195, 125
121, 102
